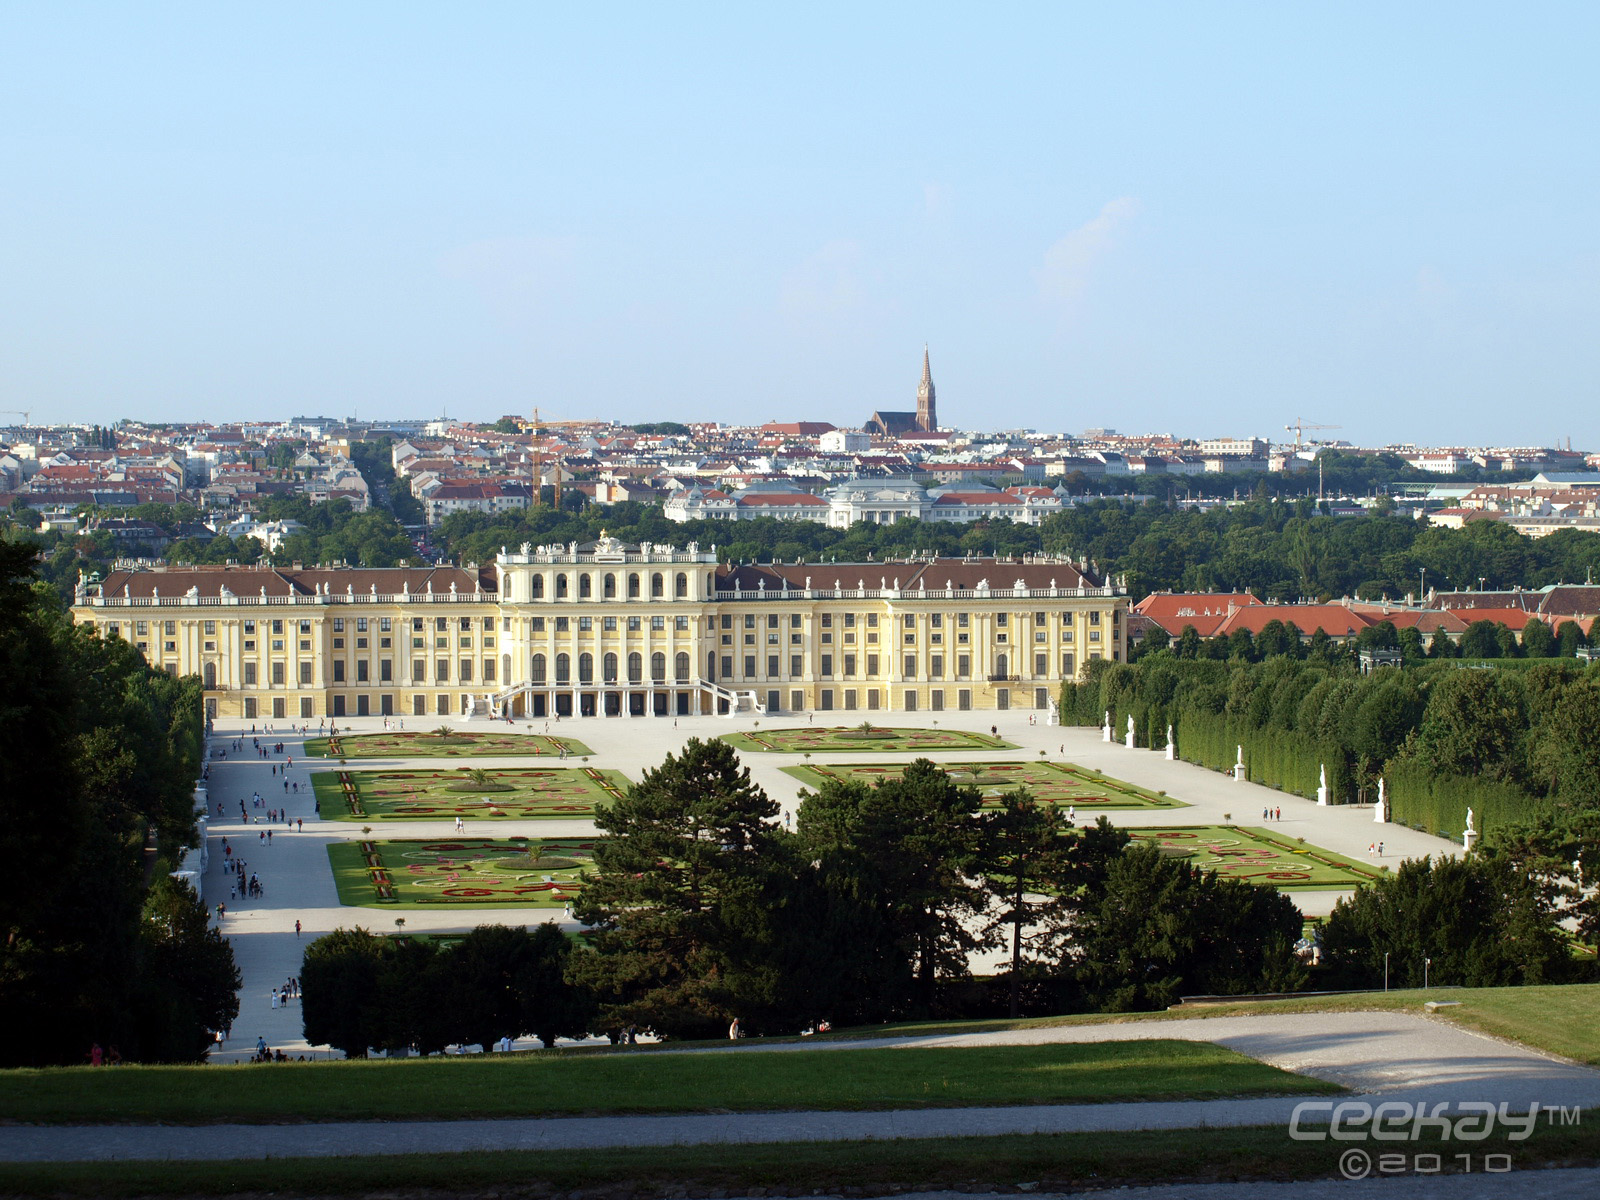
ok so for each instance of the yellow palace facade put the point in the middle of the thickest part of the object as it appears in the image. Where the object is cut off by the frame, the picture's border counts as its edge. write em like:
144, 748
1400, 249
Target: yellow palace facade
616, 629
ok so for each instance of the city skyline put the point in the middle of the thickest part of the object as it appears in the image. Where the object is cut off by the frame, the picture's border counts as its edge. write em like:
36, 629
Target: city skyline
1150, 219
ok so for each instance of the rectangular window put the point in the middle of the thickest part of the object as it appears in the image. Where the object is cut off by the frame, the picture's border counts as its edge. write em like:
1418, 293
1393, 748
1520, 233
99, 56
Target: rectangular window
536, 624
385, 625
609, 624
749, 620
1039, 618
794, 623
441, 670
361, 625
936, 620
827, 623
727, 620
441, 705
416, 643
909, 621
585, 624
1094, 618
1041, 664
305, 673
911, 666
796, 669
419, 706
749, 666
466, 624
465, 674
826, 700
872, 620
772, 666
249, 626
680, 623
911, 702
419, 670
963, 665
338, 670
250, 708
277, 674
849, 620
772, 620
827, 666
935, 666
306, 707
1000, 620
441, 625
727, 666
963, 620
386, 670
872, 664
849, 666
872, 698
465, 643
562, 624
361, 644
488, 670
964, 700
362, 670
249, 674
1067, 667
277, 627
416, 625
850, 698
936, 700
797, 700
211, 628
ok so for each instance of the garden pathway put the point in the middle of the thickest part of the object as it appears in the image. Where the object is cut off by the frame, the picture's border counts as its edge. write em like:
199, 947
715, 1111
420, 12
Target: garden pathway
1391, 1056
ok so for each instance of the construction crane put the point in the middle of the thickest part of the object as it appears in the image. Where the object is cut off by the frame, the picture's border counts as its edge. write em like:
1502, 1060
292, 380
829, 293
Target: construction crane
1301, 425
27, 417
538, 473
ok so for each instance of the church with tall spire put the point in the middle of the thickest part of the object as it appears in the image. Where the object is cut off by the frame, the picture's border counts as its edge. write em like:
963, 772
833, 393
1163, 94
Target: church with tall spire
924, 420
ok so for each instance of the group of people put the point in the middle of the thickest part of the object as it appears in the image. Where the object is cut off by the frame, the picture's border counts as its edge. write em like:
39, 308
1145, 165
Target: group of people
289, 991
1272, 814
1375, 850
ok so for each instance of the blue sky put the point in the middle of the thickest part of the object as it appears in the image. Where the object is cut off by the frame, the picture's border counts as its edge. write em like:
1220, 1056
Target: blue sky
1209, 219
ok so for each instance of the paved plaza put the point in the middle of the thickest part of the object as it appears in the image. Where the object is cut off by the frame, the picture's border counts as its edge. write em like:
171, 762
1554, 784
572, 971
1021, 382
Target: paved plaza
298, 884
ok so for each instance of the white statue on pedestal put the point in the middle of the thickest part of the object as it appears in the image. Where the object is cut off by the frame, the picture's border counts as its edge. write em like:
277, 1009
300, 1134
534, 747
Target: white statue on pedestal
1470, 826
1128, 742
1322, 785
1238, 766
1105, 730
1172, 746
1471, 835
1380, 813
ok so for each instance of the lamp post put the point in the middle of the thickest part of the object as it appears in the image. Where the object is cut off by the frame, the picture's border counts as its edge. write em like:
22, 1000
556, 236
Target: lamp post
1422, 586
1425, 964
1386, 970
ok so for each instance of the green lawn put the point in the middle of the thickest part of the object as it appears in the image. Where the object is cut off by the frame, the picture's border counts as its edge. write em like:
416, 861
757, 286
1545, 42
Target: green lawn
832, 739
1259, 856
1059, 1162
461, 872
515, 793
1062, 784
642, 1081
458, 743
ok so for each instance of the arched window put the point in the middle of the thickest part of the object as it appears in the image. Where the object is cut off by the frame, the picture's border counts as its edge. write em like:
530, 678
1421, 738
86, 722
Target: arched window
657, 586
211, 676
536, 590
585, 586
585, 668
711, 666
681, 667
505, 670
635, 667
633, 586
563, 668
658, 666
561, 585
609, 665
681, 586
536, 675
610, 586
1000, 663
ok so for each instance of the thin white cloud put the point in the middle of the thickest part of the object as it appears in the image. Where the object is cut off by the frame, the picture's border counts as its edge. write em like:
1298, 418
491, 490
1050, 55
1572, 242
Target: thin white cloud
1070, 264
827, 288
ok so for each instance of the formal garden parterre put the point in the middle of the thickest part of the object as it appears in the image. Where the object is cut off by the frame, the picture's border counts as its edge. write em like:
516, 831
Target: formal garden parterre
514, 872
443, 742
1062, 784
511, 793
1259, 856
864, 737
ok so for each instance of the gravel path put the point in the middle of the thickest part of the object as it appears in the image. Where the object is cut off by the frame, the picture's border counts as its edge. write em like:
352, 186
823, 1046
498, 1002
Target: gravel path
1385, 1055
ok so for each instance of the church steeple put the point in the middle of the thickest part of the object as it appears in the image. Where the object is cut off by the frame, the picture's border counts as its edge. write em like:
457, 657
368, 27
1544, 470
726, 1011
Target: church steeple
927, 416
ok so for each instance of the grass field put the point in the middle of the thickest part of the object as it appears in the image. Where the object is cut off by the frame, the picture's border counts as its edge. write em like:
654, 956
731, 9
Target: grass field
458, 743
1045, 1163
461, 872
641, 1081
1062, 784
571, 793
833, 739
1259, 856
